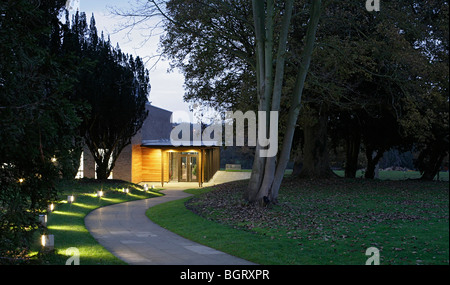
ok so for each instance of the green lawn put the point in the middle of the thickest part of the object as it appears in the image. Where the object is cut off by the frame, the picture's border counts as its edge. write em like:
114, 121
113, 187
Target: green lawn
397, 175
318, 222
233, 241
383, 175
66, 222
322, 222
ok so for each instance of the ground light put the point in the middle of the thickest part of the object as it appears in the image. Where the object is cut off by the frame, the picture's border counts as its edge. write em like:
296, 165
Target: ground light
70, 199
100, 193
125, 190
51, 207
43, 220
48, 242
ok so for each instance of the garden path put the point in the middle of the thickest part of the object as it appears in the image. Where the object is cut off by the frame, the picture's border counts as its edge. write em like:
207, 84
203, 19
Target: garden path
125, 231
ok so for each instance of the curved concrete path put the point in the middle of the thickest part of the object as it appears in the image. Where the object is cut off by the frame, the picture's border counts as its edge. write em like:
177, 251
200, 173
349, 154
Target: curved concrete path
125, 231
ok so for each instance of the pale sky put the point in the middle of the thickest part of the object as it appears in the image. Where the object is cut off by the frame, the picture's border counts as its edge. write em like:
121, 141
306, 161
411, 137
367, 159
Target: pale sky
167, 88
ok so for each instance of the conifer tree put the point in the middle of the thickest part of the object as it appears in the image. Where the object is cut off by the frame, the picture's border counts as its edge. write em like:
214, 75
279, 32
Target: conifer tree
37, 118
116, 87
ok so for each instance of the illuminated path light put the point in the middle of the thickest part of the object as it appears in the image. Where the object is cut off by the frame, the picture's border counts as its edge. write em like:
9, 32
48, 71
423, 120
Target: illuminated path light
48, 242
70, 199
43, 220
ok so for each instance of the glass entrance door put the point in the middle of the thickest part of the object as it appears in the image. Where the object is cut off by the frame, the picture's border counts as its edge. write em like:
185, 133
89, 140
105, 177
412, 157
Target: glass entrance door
183, 168
188, 167
193, 168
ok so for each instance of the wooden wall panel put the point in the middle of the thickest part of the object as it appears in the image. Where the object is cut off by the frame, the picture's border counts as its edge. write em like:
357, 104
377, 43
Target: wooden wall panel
146, 164
136, 164
166, 167
151, 165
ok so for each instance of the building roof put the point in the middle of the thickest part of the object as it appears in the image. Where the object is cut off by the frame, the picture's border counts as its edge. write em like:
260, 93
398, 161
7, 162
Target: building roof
168, 143
157, 125
157, 128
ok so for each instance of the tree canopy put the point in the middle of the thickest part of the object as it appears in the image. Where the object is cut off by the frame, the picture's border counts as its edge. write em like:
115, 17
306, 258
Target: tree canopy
379, 80
115, 86
61, 86
38, 121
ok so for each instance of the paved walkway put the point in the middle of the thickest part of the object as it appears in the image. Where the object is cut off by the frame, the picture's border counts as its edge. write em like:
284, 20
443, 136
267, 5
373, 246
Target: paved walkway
125, 231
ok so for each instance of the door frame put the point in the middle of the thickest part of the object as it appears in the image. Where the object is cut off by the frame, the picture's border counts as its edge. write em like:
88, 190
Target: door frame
188, 157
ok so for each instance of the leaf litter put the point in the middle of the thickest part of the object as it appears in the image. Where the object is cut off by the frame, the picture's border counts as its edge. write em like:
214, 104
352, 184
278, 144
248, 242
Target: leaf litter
332, 210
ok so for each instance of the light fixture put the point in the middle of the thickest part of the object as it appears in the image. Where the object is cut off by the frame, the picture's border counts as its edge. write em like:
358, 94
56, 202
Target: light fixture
53, 159
48, 242
70, 199
51, 207
99, 193
125, 190
145, 187
43, 220
21, 180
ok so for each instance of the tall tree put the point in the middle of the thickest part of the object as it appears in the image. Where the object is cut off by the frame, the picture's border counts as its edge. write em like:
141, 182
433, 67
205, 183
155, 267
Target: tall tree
116, 87
267, 172
37, 119
368, 64
255, 38
427, 117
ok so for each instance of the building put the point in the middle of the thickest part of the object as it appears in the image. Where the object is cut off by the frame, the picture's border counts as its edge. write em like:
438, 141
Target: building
151, 158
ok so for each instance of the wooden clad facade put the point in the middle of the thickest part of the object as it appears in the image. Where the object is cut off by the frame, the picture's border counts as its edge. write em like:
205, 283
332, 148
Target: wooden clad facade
165, 164
152, 164
151, 157
136, 163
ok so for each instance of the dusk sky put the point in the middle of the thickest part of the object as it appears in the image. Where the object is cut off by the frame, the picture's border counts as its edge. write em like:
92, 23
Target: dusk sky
167, 88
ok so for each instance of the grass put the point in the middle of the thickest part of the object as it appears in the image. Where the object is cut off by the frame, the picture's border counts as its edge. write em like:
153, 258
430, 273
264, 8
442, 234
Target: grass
66, 222
315, 222
321, 222
233, 241
398, 175
384, 175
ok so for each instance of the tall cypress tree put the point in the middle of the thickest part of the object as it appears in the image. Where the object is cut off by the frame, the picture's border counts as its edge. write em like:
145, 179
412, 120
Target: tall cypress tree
116, 86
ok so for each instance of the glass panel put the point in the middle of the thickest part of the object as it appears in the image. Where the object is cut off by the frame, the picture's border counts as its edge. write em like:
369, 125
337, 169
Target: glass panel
173, 171
183, 168
194, 169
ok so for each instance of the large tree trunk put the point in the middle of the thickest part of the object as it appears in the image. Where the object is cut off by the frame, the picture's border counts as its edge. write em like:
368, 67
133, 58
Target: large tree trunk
297, 152
296, 100
316, 162
431, 160
102, 171
105, 161
298, 165
352, 147
252, 193
268, 172
373, 157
